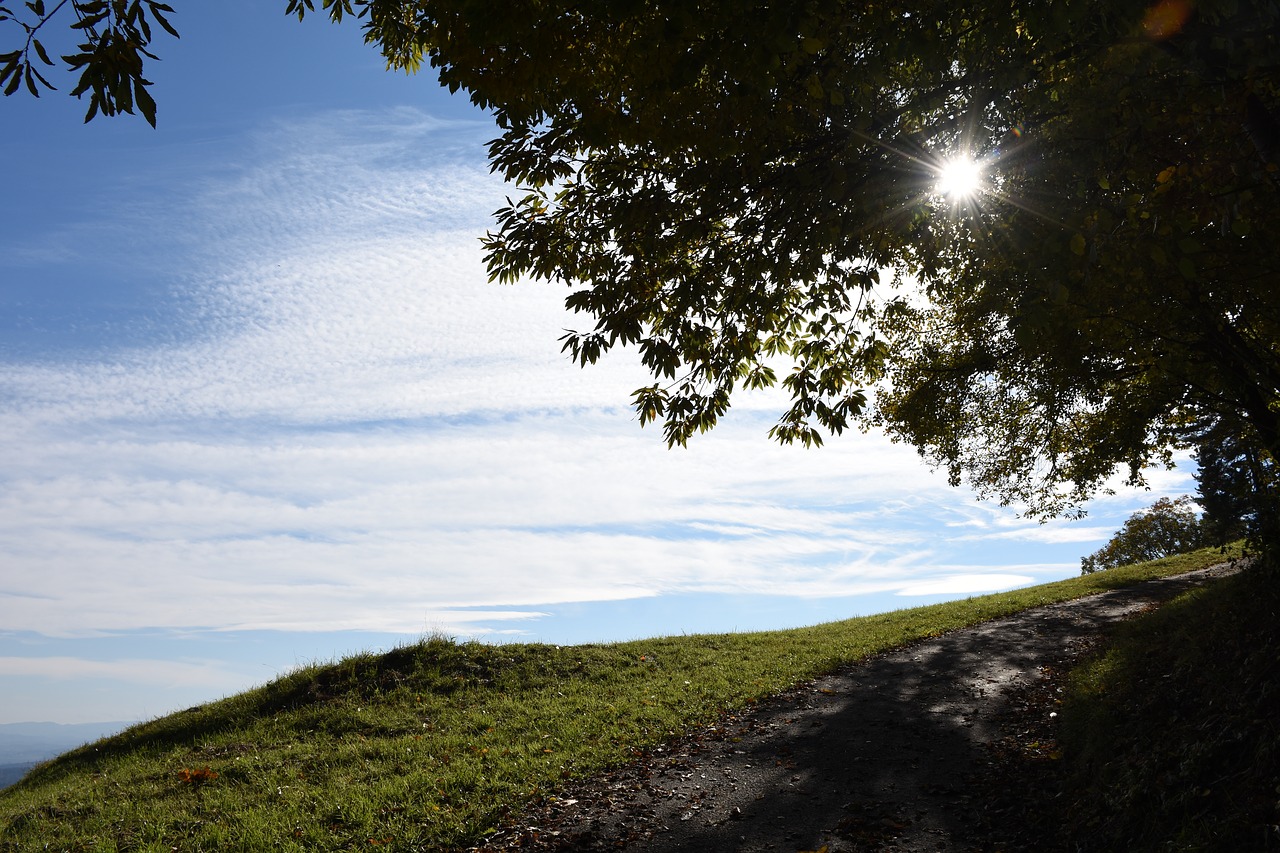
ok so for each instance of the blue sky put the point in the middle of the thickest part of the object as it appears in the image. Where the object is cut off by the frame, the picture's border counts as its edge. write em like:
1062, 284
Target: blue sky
259, 407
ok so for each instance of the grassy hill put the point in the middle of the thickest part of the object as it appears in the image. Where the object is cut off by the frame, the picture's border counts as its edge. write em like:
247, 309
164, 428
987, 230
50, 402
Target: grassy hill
430, 745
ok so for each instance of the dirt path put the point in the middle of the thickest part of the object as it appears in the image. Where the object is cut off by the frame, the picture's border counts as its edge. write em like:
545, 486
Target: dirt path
898, 753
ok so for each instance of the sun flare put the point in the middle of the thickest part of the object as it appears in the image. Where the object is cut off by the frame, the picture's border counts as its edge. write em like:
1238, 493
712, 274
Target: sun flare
960, 177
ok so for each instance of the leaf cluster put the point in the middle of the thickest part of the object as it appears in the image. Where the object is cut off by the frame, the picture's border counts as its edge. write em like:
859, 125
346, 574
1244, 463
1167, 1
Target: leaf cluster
1120, 296
115, 37
721, 190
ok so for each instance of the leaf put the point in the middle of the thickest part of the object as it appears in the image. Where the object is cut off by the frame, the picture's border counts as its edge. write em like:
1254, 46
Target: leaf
146, 104
14, 82
88, 22
197, 776
44, 57
1078, 245
40, 77
156, 9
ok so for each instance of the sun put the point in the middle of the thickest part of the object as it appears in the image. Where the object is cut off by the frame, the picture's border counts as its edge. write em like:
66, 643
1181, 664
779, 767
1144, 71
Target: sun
959, 178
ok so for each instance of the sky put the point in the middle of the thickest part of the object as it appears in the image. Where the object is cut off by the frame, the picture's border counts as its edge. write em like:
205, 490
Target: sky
260, 408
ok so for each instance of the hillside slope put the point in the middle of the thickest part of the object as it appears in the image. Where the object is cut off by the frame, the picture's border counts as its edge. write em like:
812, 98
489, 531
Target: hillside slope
435, 745
1171, 734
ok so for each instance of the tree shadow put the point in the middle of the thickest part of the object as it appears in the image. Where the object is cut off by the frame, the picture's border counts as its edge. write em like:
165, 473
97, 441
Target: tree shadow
885, 755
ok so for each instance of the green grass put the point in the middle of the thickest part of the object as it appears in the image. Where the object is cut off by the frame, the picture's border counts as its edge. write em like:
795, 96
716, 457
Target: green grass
430, 746
1171, 737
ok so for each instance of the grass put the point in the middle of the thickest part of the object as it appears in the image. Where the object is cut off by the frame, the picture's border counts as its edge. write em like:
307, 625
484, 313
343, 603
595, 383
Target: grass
430, 746
1172, 735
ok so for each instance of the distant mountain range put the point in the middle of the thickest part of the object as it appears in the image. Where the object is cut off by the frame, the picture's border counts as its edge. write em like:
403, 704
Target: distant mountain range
23, 745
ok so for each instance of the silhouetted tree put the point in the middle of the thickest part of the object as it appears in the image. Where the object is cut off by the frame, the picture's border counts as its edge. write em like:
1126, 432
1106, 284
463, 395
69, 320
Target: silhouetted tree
1238, 486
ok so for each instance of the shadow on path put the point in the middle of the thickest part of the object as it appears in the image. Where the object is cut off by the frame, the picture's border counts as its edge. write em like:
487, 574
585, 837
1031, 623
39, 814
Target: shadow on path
875, 757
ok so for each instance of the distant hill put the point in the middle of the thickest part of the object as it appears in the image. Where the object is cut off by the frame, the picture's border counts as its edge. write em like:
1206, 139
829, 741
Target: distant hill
10, 773
23, 745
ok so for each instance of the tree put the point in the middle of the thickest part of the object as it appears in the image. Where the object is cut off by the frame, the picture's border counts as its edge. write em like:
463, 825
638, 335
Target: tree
1167, 527
1144, 305
1238, 485
747, 193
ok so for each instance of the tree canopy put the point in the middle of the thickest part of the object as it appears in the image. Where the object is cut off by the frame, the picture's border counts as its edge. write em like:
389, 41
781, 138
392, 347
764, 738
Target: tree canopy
747, 193
1169, 526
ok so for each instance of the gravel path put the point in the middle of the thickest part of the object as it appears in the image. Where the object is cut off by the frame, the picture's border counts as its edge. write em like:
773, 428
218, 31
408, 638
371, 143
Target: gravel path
897, 753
